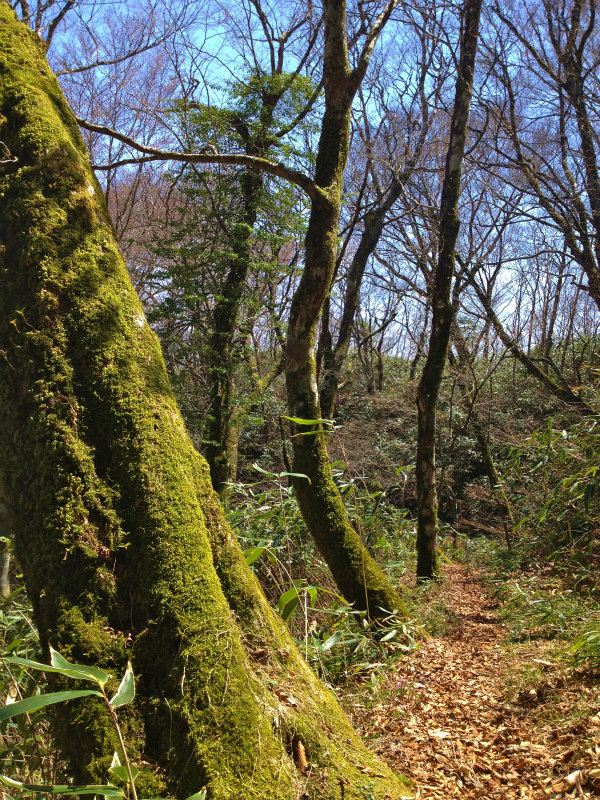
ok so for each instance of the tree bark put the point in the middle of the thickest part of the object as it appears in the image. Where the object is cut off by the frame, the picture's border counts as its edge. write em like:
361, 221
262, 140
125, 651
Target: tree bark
122, 542
441, 305
334, 357
223, 433
374, 225
355, 572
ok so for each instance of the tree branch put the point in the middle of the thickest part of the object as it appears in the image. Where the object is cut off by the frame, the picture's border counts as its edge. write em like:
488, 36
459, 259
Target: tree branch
58, 19
359, 71
279, 170
110, 62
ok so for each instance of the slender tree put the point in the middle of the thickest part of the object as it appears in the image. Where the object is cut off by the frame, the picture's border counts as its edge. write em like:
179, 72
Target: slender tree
419, 94
441, 304
253, 125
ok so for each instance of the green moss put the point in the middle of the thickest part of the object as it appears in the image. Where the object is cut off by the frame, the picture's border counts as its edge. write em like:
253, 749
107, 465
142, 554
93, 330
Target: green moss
123, 545
150, 782
357, 575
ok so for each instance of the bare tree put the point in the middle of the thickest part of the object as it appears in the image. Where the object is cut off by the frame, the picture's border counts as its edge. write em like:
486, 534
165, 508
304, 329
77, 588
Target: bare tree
441, 306
557, 54
394, 150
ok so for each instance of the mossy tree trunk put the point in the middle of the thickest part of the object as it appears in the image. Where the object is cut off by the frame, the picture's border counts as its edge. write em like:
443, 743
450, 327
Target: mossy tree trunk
334, 356
223, 433
441, 304
226, 412
356, 573
122, 542
225, 420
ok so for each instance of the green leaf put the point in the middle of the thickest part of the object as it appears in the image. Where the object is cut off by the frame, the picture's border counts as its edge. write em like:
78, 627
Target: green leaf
87, 673
289, 609
31, 704
201, 795
588, 493
288, 603
389, 635
307, 433
300, 421
264, 471
253, 553
126, 691
121, 772
78, 671
333, 640
286, 597
105, 791
406, 468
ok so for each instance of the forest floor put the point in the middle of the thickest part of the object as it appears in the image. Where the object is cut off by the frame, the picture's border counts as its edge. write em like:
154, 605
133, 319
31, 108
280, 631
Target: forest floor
471, 714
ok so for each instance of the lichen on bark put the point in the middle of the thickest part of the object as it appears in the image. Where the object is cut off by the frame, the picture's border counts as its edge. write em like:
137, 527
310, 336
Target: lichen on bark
122, 542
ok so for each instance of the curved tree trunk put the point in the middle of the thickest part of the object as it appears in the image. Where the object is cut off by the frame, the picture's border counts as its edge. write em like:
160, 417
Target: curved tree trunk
334, 356
122, 542
357, 575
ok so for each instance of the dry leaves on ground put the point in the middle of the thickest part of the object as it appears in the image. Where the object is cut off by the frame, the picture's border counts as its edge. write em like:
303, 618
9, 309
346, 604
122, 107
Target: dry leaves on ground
445, 721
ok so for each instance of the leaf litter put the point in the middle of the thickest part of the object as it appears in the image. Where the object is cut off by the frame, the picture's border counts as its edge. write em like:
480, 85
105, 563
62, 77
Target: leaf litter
450, 718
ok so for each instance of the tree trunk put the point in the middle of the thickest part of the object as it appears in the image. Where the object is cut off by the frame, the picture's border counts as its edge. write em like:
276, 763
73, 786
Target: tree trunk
374, 224
420, 347
334, 357
123, 545
355, 572
468, 399
222, 432
441, 306
379, 373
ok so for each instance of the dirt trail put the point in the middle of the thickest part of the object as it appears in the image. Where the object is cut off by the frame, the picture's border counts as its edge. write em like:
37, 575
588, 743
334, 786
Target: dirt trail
444, 720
